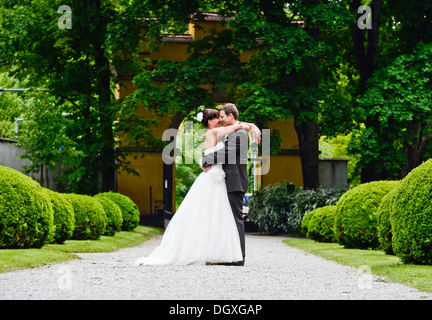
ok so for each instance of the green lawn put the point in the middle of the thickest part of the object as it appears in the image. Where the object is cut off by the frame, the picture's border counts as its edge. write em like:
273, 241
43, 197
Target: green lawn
13, 259
387, 266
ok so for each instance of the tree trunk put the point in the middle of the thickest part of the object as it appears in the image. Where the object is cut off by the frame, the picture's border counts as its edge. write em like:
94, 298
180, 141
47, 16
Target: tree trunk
371, 173
307, 133
416, 149
366, 56
107, 156
367, 62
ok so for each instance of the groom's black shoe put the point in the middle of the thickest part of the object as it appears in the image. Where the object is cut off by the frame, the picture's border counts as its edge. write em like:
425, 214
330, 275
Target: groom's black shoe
237, 263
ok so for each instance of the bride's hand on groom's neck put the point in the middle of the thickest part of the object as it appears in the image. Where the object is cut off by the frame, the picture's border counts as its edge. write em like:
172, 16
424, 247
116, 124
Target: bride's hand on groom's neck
254, 130
256, 135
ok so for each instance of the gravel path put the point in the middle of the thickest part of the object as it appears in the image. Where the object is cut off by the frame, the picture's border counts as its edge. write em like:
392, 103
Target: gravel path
273, 270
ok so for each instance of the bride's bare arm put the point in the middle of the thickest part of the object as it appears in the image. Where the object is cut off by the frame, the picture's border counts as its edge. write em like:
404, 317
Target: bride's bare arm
223, 131
213, 135
255, 131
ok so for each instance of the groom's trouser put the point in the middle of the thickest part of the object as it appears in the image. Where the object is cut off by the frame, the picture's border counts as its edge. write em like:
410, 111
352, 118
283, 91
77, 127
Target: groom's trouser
236, 202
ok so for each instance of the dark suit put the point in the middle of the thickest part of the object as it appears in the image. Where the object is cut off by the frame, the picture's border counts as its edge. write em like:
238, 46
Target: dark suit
234, 161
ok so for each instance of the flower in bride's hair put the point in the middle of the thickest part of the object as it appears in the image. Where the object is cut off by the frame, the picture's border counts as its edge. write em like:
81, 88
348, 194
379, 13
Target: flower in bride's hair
200, 116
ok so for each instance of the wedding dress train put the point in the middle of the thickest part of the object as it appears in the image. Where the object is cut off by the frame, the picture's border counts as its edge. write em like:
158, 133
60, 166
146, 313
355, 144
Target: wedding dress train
203, 228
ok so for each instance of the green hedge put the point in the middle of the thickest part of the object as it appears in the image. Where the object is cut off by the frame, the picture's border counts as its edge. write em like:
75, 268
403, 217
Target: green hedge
305, 222
90, 217
113, 213
321, 224
26, 213
268, 208
411, 217
280, 208
356, 214
384, 226
130, 211
64, 217
31, 216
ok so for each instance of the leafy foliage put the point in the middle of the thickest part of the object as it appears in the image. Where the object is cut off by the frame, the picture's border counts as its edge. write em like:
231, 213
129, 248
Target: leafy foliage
129, 209
356, 214
73, 65
281, 207
187, 172
63, 217
9, 108
321, 224
410, 216
44, 134
384, 227
90, 217
396, 109
26, 213
303, 66
113, 213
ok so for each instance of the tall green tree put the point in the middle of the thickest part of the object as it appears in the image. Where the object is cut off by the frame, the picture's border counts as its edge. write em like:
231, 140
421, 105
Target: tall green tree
50, 144
9, 107
296, 56
75, 66
399, 100
396, 29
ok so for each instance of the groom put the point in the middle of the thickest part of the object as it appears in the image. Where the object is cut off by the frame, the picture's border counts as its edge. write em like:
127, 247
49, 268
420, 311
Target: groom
234, 159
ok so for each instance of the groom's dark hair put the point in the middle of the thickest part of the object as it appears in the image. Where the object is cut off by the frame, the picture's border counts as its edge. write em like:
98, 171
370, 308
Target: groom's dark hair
230, 108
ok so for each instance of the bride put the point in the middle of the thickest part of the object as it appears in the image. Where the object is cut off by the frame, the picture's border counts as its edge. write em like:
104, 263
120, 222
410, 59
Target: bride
203, 228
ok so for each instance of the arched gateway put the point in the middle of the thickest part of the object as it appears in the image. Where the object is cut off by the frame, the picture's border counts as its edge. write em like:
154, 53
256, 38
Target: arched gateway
154, 190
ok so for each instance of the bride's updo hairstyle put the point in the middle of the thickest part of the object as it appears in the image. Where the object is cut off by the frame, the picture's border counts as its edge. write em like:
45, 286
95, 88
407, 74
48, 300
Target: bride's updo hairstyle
209, 114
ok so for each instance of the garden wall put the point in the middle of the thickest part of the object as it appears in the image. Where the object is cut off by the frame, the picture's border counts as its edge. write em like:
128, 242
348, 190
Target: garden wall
333, 173
9, 157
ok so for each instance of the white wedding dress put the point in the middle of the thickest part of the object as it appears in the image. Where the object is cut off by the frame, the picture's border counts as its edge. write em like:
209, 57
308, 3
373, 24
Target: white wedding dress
203, 228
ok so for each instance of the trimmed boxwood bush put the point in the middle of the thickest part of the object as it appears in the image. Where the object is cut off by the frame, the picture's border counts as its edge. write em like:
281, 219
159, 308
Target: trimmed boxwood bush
113, 213
384, 226
356, 214
411, 217
305, 222
64, 217
90, 217
129, 209
26, 214
321, 224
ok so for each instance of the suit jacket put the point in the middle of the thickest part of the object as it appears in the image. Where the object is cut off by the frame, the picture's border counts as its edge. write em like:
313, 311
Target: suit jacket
234, 160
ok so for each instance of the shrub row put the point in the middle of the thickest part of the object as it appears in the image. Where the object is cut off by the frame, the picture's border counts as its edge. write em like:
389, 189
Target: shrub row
318, 224
411, 216
395, 216
26, 213
280, 208
31, 216
353, 222
356, 218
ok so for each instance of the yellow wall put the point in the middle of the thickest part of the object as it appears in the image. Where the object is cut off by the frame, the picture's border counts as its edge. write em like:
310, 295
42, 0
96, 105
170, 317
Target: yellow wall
288, 133
150, 170
285, 167
168, 51
148, 165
